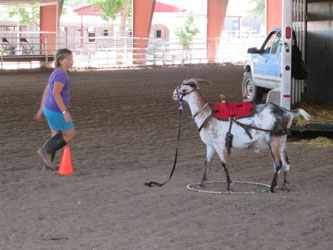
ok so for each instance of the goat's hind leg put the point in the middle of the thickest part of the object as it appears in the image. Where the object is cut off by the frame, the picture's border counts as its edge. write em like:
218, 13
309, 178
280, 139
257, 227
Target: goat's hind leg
286, 181
285, 163
208, 162
277, 168
275, 150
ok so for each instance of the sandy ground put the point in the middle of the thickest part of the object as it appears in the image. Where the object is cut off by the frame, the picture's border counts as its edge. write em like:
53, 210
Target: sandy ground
126, 125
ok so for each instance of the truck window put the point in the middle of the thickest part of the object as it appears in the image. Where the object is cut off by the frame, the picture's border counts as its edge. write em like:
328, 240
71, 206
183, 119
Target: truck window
275, 43
268, 43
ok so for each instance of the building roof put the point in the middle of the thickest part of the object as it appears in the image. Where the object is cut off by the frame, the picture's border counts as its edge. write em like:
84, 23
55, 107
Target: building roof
163, 7
94, 10
89, 10
20, 2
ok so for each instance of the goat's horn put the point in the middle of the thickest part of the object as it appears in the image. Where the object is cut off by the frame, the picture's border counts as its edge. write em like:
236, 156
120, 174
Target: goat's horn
199, 80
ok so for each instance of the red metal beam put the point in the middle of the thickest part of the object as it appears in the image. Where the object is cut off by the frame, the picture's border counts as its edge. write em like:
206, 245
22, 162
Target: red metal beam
48, 23
142, 16
216, 10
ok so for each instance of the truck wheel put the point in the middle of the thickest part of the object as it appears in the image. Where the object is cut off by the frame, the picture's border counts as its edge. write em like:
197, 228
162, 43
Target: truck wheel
254, 93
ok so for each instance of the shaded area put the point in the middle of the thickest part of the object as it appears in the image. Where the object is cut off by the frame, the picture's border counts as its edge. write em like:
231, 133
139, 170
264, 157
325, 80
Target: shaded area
126, 126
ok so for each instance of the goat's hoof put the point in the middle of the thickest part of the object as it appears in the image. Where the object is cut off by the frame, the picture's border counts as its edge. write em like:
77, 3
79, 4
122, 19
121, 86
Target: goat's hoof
285, 188
228, 191
201, 186
272, 190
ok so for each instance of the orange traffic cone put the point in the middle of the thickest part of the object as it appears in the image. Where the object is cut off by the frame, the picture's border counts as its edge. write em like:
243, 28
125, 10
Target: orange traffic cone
66, 167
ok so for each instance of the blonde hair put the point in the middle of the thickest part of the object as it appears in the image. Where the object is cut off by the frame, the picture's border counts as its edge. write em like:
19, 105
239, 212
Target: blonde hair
61, 54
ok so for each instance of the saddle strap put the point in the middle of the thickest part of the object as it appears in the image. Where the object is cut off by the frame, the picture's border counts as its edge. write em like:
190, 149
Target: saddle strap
228, 138
204, 122
246, 127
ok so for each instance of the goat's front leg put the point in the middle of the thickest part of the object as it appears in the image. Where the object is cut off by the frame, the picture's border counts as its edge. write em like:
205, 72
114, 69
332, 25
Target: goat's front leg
208, 162
224, 161
229, 181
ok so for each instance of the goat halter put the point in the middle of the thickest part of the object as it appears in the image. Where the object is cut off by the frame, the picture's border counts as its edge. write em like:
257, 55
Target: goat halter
181, 95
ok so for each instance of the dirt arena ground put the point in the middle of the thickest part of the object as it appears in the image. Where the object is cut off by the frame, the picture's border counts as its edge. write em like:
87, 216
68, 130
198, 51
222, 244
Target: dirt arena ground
126, 125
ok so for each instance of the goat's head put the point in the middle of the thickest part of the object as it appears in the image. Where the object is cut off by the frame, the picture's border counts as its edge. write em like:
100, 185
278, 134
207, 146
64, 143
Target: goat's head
185, 88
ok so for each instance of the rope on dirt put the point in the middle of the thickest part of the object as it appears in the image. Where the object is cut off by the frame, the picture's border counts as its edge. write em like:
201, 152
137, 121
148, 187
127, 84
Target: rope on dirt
194, 187
150, 184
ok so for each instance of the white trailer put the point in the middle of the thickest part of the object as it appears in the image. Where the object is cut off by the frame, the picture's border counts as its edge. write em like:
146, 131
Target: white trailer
293, 19
312, 21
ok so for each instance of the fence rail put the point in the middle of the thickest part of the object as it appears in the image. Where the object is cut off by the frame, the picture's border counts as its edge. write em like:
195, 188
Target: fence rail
104, 52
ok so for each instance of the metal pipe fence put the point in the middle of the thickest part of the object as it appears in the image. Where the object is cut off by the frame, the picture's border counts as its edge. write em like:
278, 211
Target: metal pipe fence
108, 52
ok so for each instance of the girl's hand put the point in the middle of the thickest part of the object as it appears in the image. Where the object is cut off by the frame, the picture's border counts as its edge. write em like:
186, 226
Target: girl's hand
67, 116
39, 114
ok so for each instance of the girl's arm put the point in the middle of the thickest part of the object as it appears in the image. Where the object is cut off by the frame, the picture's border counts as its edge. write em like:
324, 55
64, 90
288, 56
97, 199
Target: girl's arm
58, 86
39, 113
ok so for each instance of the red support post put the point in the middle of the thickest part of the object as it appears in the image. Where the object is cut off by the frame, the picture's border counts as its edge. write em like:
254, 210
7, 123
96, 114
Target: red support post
216, 11
273, 15
142, 16
48, 23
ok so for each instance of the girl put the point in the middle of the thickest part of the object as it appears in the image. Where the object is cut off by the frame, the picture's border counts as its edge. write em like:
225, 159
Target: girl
54, 103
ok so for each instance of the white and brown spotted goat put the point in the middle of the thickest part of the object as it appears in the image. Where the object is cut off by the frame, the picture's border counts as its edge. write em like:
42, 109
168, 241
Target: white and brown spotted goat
265, 128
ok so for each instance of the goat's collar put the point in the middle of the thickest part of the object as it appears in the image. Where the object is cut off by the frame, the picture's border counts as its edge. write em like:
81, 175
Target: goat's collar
201, 109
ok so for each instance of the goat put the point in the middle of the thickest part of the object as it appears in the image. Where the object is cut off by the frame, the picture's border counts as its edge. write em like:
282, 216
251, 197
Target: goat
266, 127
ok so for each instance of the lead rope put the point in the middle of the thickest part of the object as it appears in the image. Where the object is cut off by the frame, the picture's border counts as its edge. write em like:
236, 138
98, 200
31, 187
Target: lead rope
150, 184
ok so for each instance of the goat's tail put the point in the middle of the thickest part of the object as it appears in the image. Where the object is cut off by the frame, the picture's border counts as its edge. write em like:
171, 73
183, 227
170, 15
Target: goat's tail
300, 112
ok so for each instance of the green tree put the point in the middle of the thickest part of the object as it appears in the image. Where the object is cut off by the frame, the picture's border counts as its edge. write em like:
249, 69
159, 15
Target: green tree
27, 15
187, 32
111, 8
32, 14
109, 11
259, 11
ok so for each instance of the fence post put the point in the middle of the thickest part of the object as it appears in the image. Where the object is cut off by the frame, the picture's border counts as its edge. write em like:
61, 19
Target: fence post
46, 52
125, 59
163, 56
191, 47
89, 57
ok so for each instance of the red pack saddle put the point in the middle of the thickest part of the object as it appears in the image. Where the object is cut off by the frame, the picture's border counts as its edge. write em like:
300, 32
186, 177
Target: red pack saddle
224, 111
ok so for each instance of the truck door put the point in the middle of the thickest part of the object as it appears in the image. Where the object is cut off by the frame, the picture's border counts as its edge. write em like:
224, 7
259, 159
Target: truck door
268, 62
275, 59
